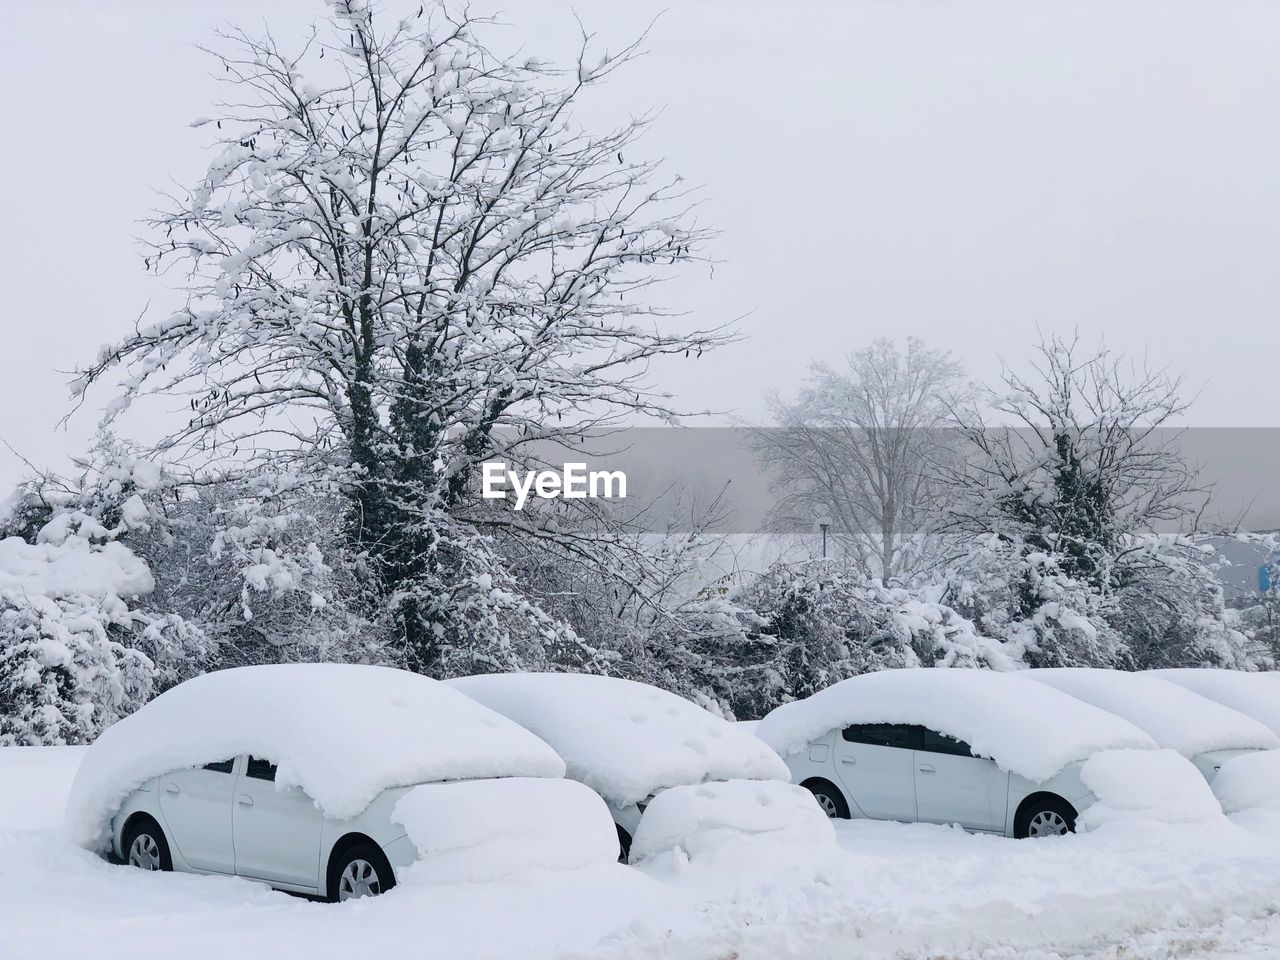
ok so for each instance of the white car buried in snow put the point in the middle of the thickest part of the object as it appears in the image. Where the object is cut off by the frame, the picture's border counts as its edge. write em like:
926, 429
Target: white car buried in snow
935, 745
1202, 730
327, 780
1255, 695
629, 741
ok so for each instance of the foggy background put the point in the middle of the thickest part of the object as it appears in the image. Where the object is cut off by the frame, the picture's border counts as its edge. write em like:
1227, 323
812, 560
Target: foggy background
965, 173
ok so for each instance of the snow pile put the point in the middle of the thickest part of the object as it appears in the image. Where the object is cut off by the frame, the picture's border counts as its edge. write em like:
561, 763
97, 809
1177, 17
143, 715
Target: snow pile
1255, 694
624, 739
1159, 785
1249, 782
1174, 716
342, 733
72, 565
485, 830
64, 674
1033, 731
705, 819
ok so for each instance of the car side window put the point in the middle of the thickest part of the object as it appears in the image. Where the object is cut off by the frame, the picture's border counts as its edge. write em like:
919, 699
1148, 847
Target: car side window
222, 766
260, 769
934, 742
905, 736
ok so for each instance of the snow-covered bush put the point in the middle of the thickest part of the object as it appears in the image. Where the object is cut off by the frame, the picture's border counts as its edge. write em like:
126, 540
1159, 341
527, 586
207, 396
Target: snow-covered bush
1169, 607
65, 669
823, 620
1025, 599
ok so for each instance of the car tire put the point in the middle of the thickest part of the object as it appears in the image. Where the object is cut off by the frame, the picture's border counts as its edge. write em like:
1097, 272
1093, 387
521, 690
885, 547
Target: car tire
1044, 816
829, 798
362, 870
624, 845
144, 846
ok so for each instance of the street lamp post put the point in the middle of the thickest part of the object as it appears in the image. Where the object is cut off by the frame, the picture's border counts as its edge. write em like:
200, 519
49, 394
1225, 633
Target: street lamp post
824, 527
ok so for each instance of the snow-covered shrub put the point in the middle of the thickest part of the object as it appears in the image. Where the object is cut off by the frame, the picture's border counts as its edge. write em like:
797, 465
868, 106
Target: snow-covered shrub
823, 620
66, 671
1170, 608
1024, 599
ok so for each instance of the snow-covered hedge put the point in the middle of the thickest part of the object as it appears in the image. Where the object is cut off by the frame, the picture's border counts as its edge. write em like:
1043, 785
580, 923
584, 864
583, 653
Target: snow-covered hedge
483, 830
1030, 730
1155, 785
624, 739
343, 733
700, 820
1173, 715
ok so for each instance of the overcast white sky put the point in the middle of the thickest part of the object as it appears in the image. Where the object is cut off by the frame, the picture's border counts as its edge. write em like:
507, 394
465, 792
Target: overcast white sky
960, 171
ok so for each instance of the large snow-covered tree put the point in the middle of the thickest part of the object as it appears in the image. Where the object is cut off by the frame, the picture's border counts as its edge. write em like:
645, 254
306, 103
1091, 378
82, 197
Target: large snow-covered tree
406, 257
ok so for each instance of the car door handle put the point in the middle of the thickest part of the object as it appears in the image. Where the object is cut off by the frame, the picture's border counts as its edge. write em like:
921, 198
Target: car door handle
848, 760
245, 800
172, 788
926, 768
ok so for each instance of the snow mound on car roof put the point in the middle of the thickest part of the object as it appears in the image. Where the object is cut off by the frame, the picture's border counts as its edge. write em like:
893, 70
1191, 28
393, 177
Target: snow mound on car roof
1158, 785
624, 739
1174, 716
708, 818
486, 830
341, 732
1028, 729
1255, 694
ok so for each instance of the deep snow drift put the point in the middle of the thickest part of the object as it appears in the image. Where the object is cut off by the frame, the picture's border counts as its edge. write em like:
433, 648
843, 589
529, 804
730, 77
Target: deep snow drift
1033, 731
694, 821
1157, 785
624, 739
342, 733
494, 829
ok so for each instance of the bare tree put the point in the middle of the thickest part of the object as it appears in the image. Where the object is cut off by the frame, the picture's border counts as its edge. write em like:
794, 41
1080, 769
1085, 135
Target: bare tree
407, 257
860, 448
1082, 460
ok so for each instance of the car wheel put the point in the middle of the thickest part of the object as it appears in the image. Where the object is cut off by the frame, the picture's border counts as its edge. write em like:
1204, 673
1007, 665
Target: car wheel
624, 845
145, 846
829, 799
1045, 816
361, 871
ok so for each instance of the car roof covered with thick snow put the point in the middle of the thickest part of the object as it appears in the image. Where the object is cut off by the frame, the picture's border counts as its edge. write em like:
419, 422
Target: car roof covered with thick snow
1254, 694
625, 739
1175, 717
1028, 729
341, 732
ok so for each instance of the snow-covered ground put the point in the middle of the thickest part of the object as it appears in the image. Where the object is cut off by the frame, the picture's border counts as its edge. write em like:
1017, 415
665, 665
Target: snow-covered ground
1140, 891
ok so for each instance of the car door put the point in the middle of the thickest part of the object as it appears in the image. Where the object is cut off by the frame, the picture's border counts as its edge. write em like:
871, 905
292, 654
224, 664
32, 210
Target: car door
954, 786
876, 762
277, 832
197, 809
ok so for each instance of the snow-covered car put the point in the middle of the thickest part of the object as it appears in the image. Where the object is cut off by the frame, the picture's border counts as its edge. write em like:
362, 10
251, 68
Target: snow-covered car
320, 779
1255, 695
972, 747
1202, 730
625, 740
